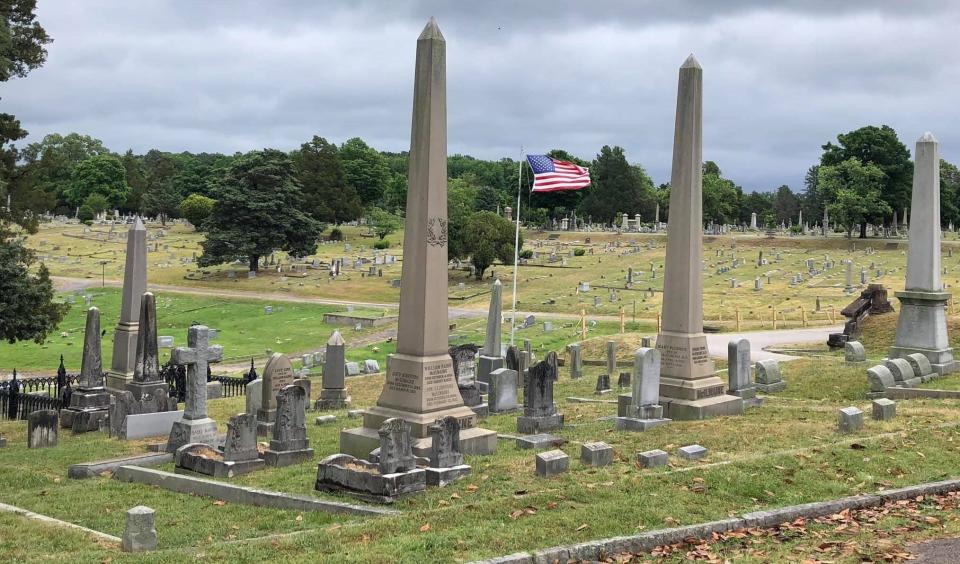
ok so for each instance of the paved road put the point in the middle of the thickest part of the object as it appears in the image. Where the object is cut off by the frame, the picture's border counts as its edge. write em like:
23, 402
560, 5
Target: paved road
760, 340
716, 342
943, 551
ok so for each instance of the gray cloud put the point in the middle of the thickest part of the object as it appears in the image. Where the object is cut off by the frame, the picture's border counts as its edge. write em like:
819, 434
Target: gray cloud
233, 76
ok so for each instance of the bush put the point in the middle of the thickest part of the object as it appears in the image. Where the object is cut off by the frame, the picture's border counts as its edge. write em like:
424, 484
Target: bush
196, 208
336, 234
579, 252
381, 245
85, 214
526, 254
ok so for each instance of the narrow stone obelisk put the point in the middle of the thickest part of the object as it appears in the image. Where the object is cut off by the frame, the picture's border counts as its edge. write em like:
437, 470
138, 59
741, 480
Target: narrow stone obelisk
90, 402
421, 386
922, 325
490, 357
134, 285
146, 370
689, 386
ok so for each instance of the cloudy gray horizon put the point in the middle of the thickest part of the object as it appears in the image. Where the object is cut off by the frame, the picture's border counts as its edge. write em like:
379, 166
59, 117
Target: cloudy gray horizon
219, 76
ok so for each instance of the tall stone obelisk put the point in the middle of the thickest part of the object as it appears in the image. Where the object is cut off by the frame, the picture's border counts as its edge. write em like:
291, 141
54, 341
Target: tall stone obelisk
490, 357
420, 384
922, 325
689, 386
134, 286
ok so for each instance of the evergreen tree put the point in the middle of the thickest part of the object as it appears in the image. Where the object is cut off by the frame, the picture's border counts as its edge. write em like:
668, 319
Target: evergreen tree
258, 210
327, 197
27, 309
617, 188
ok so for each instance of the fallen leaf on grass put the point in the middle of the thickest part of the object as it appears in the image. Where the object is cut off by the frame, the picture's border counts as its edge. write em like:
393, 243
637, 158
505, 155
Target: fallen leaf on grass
582, 527
219, 502
472, 488
425, 527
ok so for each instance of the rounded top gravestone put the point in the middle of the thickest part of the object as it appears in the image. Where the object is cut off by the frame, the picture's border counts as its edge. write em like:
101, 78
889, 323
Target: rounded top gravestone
276, 374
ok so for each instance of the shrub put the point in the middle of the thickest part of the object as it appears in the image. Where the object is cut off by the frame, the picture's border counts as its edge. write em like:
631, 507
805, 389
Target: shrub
381, 245
85, 214
336, 234
526, 254
579, 252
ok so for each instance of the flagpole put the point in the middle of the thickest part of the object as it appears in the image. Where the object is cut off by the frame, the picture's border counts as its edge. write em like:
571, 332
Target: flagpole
516, 248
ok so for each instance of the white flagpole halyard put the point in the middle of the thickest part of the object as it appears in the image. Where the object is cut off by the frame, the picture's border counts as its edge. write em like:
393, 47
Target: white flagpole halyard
516, 248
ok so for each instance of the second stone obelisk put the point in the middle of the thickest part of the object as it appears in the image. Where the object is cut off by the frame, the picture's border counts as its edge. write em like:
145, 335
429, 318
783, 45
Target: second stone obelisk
689, 386
420, 384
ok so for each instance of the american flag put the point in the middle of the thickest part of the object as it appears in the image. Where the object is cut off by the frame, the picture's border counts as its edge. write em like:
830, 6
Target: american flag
550, 175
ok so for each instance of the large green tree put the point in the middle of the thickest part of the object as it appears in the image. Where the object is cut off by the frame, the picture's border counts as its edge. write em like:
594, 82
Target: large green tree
327, 196
721, 197
949, 194
136, 180
162, 197
196, 209
102, 174
617, 187
49, 163
365, 170
27, 309
853, 191
488, 237
383, 222
878, 146
786, 204
258, 210
22, 49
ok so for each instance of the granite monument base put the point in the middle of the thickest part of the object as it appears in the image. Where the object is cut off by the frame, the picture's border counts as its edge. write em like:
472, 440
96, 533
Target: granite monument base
690, 410
281, 458
188, 431
634, 424
332, 398
922, 328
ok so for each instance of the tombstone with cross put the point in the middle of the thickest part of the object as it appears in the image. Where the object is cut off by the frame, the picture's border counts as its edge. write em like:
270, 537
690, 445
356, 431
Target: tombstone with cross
195, 427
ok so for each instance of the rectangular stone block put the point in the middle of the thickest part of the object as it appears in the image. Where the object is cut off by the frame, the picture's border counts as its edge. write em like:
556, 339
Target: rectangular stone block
534, 425
539, 442
692, 452
324, 419
634, 424
151, 424
551, 463
850, 420
652, 458
884, 409
596, 454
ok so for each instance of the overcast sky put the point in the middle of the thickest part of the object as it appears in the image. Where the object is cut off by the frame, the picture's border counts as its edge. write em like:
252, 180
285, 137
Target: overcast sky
239, 75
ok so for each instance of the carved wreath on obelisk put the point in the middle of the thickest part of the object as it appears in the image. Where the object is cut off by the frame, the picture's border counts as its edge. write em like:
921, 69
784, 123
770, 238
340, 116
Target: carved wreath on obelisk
437, 231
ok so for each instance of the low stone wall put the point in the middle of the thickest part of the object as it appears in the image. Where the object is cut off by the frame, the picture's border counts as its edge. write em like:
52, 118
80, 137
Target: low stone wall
918, 393
240, 494
365, 322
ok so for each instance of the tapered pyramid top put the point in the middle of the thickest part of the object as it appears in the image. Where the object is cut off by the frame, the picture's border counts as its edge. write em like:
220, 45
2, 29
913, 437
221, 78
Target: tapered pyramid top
336, 339
691, 63
138, 225
927, 138
497, 282
431, 31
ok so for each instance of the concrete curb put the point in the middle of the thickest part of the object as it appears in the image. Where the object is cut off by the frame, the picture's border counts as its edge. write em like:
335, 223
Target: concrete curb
57, 522
600, 549
85, 470
182, 483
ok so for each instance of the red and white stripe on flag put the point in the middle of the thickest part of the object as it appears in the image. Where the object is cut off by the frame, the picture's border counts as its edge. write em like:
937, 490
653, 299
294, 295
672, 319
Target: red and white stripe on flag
551, 175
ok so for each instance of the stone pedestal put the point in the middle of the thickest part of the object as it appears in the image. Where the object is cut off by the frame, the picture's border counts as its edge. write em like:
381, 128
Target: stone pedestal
922, 328
689, 386
188, 431
124, 355
88, 408
487, 364
331, 398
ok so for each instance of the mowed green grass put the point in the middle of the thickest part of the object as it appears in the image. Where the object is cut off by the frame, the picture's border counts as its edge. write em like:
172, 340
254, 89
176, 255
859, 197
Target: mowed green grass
784, 453
245, 329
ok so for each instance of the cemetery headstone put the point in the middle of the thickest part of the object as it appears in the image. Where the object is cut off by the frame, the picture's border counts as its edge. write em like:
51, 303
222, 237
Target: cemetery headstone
643, 410
139, 531
289, 444
446, 460
768, 378
277, 374
333, 393
89, 405
576, 361
502, 391
738, 369
196, 426
539, 410
42, 427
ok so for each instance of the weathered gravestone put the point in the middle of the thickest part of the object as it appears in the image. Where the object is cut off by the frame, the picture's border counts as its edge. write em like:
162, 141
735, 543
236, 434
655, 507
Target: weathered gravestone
502, 391
239, 456
289, 444
42, 426
644, 411
147, 380
490, 357
465, 369
196, 426
277, 374
740, 382
89, 402
880, 379
139, 532
446, 460
768, 376
853, 352
539, 410
253, 396
576, 361
394, 475
333, 393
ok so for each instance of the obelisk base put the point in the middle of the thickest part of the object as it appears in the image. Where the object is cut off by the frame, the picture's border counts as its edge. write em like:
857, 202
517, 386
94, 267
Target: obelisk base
188, 431
124, 356
88, 408
689, 387
419, 390
922, 328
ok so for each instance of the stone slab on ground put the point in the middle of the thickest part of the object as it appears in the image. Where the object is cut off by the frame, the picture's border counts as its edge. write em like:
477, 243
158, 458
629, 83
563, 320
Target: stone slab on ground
342, 473
439, 477
652, 458
239, 494
93, 469
596, 454
633, 424
540, 441
551, 463
849, 420
884, 409
692, 452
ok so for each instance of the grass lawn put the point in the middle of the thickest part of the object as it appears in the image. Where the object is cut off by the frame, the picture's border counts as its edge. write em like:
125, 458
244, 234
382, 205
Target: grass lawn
784, 453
